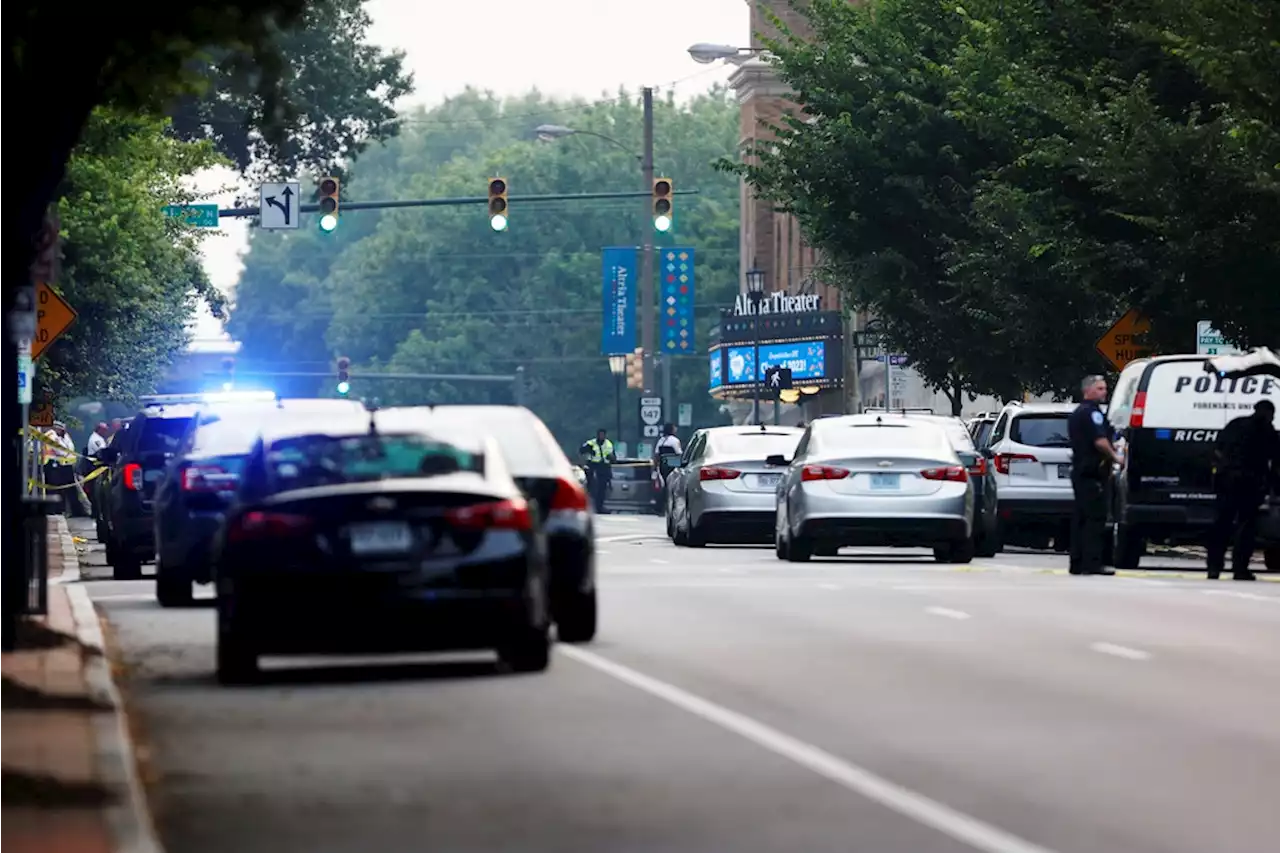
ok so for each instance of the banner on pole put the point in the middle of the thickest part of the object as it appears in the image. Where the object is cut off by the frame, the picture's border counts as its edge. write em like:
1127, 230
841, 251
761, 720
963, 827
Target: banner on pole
618, 327
677, 302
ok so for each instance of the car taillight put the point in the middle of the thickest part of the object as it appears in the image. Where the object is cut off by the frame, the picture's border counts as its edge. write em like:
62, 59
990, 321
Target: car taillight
949, 473
569, 497
714, 473
822, 472
979, 468
133, 477
1003, 460
499, 515
267, 525
1139, 409
198, 478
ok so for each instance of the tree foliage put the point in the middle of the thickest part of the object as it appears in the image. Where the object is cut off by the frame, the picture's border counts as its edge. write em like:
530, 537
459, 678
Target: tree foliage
334, 94
1000, 180
435, 290
132, 274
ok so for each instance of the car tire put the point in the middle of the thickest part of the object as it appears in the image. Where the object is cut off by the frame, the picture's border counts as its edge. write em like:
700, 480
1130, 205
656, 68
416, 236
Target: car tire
697, 538
1271, 558
528, 650
989, 544
237, 658
577, 619
799, 549
1126, 547
960, 552
172, 590
125, 566
779, 546
100, 530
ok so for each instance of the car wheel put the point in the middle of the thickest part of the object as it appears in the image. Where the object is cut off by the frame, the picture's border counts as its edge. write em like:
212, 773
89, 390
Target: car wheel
988, 544
125, 566
697, 537
799, 549
237, 659
100, 530
528, 650
576, 622
1126, 547
1271, 558
172, 589
671, 530
954, 552
779, 546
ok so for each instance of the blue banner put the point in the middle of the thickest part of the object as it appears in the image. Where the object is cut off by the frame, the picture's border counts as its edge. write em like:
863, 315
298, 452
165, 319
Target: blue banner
807, 360
676, 301
717, 371
618, 327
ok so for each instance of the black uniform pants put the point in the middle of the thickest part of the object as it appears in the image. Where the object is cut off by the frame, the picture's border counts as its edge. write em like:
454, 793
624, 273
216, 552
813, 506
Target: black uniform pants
1235, 512
598, 476
1088, 523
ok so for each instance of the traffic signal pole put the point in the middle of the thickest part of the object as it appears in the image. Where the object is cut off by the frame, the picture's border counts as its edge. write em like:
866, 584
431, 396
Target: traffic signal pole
648, 294
395, 204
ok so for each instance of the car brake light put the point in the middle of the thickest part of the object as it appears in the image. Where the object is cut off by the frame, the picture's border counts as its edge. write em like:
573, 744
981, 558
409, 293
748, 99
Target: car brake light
569, 497
267, 525
979, 468
198, 478
718, 474
133, 477
1003, 460
950, 474
822, 472
1139, 409
499, 515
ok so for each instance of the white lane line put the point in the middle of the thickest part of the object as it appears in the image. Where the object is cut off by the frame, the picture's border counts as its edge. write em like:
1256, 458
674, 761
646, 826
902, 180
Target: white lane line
947, 613
1246, 596
661, 562
1120, 651
126, 596
946, 820
602, 553
628, 537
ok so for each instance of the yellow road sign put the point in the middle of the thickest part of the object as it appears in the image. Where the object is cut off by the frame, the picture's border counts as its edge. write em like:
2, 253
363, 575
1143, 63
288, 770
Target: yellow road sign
1123, 341
53, 317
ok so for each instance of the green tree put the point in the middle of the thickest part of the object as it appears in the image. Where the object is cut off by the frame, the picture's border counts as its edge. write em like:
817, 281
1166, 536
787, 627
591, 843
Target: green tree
336, 94
132, 274
435, 290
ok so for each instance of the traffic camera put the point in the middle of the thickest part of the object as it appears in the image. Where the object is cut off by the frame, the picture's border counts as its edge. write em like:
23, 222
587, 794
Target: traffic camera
498, 204
329, 188
344, 375
663, 214
635, 369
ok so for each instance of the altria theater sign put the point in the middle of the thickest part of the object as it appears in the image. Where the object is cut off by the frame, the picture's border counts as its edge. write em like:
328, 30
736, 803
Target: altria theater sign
778, 302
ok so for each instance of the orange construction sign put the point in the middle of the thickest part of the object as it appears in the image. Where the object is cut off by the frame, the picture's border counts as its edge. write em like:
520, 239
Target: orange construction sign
1123, 342
41, 415
53, 317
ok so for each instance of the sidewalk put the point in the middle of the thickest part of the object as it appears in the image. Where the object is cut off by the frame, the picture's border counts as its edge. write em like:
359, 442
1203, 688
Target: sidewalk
70, 785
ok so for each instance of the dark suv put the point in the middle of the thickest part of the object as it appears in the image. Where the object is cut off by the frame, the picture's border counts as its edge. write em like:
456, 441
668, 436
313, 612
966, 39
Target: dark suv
136, 461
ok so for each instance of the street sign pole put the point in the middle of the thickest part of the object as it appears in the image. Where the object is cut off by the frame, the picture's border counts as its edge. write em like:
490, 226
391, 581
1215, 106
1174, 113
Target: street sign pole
648, 298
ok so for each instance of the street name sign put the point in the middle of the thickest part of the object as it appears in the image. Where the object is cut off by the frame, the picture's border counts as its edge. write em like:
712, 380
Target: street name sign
1123, 343
198, 215
278, 205
1209, 341
53, 317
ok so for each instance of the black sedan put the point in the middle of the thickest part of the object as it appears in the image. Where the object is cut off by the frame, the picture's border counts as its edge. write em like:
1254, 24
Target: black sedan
375, 536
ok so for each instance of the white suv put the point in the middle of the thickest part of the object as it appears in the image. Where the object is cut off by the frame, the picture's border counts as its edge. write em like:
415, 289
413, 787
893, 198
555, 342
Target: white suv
1031, 454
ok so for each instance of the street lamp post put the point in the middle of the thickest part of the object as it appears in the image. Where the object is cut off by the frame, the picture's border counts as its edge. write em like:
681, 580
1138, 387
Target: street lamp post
755, 292
617, 366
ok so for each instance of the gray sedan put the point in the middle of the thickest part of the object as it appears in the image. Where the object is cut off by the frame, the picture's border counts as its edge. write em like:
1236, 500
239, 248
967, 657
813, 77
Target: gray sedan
874, 480
723, 489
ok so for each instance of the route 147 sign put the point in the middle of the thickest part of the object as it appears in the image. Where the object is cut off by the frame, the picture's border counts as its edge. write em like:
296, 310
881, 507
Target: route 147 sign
651, 416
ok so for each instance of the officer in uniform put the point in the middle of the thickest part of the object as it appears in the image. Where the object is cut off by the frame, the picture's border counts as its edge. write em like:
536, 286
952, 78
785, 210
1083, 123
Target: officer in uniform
1246, 463
598, 455
1092, 456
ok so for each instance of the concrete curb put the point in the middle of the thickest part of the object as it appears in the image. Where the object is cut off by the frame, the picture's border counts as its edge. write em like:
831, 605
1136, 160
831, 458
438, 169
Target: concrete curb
129, 817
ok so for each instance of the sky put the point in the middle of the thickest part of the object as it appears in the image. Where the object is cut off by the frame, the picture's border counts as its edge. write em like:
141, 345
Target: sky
586, 48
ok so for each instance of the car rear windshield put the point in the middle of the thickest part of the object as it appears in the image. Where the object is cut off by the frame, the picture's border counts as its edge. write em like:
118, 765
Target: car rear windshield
884, 437
523, 445
226, 435
162, 434
754, 444
316, 460
1047, 430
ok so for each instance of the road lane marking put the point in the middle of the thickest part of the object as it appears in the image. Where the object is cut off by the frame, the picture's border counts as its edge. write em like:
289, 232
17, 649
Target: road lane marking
126, 596
661, 562
628, 537
947, 613
955, 824
1120, 651
1246, 596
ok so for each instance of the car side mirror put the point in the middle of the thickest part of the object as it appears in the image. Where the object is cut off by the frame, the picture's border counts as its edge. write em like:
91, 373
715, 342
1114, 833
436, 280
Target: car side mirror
776, 459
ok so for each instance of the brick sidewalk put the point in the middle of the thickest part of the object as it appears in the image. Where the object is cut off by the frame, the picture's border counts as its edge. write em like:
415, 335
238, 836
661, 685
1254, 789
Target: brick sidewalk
58, 795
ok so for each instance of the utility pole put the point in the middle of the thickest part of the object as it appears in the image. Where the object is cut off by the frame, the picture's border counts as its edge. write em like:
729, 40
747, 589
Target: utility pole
648, 294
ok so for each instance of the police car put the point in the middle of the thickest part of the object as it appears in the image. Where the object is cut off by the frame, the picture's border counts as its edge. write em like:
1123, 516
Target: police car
1168, 411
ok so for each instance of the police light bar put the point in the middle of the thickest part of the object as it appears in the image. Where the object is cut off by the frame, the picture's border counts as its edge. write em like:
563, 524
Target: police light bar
1261, 361
239, 397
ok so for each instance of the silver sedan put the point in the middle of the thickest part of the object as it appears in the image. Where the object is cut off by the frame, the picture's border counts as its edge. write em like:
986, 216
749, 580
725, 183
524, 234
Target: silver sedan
873, 480
723, 490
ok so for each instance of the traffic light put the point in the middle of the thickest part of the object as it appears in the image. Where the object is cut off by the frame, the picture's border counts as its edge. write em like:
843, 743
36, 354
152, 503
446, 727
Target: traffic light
329, 203
498, 204
635, 369
228, 374
344, 375
663, 215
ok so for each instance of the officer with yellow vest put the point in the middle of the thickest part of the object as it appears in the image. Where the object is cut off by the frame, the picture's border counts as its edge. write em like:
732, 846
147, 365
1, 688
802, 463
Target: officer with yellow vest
598, 455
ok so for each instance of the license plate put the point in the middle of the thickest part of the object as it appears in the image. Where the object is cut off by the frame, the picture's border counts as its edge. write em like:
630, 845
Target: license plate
768, 481
1064, 471
381, 537
884, 482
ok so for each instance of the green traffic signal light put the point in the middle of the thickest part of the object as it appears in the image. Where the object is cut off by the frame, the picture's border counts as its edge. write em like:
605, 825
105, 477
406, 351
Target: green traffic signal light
344, 387
328, 222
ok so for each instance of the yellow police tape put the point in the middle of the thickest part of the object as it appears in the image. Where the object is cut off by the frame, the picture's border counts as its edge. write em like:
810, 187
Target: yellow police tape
70, 456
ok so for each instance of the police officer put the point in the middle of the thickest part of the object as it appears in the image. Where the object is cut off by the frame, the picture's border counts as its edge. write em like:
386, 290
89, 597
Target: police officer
598, 455
1246, 463
1092, 456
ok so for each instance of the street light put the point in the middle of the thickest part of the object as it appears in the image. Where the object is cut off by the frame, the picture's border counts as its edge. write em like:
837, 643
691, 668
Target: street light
617, 366
706, 54
755, 292
552, 132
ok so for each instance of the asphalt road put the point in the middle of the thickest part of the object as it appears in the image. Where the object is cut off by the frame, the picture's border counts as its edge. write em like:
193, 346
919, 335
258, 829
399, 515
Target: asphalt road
876, 702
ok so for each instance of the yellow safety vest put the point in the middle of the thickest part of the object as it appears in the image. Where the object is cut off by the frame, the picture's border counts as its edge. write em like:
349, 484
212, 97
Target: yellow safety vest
598, 452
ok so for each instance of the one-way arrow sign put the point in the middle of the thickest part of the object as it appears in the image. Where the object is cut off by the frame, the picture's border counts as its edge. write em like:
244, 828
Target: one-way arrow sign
777, 379
276, 209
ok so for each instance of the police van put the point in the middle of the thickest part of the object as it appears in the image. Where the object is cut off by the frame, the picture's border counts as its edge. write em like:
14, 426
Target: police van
1168, 411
